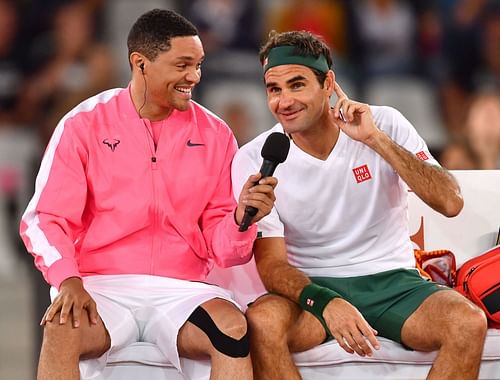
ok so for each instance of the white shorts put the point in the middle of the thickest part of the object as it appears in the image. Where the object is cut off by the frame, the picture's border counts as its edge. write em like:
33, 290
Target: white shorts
142, 308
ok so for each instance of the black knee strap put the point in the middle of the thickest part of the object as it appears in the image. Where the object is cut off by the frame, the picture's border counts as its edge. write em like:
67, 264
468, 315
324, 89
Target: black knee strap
235, 348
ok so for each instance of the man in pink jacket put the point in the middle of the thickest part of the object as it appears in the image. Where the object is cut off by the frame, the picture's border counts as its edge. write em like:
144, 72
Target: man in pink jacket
133, 206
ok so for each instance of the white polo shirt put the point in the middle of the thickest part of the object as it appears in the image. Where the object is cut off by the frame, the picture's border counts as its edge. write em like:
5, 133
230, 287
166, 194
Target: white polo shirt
345, 216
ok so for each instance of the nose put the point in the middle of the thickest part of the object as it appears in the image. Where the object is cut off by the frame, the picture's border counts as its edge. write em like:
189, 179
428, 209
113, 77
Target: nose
284, 100
193, 76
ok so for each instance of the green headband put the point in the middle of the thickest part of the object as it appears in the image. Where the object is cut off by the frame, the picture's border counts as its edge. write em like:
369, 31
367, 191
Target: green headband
285, 55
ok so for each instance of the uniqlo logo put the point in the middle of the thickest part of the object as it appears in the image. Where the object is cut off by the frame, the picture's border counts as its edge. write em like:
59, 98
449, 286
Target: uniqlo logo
362, 173
310, 302
422, 156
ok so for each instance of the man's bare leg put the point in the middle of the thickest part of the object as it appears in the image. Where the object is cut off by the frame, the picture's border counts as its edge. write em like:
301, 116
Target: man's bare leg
194, 343
64, 345
448, 322
279, 327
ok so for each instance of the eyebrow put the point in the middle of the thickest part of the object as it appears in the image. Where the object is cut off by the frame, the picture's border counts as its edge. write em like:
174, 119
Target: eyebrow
289, 81
189, 58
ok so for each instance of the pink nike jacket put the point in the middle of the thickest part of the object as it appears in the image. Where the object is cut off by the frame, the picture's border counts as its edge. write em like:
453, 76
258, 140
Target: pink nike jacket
106, 202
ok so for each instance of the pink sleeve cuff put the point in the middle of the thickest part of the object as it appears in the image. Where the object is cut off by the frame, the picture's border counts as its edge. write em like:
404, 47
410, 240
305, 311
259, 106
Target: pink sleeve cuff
247, 236
237, 246
61, 270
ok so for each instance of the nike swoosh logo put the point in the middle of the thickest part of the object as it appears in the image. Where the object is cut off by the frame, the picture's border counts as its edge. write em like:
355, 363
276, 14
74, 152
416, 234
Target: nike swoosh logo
189, 143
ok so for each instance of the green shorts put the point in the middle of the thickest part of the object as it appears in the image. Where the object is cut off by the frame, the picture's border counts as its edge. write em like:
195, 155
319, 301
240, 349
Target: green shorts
385, 299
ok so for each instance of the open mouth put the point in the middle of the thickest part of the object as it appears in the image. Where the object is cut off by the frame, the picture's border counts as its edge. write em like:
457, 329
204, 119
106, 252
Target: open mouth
184, 90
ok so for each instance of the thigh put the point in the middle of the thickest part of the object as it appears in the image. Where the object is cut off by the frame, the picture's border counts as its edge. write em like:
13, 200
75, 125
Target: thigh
385, 299
192, 342
430, 324
280, 315
95, 339
173, 301
114, 315
87, 340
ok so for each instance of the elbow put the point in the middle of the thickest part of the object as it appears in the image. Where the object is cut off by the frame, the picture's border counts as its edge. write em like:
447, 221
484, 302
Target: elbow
453, 206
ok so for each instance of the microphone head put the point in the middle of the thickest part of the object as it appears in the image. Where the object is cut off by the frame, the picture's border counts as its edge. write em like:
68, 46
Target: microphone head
276, 147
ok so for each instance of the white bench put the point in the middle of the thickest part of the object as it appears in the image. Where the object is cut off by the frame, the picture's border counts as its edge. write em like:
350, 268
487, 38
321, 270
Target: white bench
467, 235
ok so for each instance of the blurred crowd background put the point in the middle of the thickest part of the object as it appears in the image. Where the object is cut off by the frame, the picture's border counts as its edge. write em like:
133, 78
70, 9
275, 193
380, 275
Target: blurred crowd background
437, 61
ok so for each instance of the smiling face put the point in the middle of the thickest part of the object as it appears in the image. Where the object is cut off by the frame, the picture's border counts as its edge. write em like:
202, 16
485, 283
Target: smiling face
172, 75
295, 97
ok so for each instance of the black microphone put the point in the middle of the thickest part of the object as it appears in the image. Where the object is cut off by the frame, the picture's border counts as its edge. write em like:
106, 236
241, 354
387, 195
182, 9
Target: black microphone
274, 152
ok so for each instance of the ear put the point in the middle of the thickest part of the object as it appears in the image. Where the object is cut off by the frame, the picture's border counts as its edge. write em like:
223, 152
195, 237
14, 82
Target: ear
137, 60
329, 83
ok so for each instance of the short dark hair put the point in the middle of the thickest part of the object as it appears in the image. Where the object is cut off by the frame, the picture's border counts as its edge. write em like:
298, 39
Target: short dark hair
151, 33
306, 43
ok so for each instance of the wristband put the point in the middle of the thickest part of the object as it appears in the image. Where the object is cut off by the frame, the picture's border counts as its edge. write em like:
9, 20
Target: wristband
314, 299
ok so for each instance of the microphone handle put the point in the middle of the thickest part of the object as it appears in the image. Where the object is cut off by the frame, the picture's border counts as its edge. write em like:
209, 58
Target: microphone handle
267, 170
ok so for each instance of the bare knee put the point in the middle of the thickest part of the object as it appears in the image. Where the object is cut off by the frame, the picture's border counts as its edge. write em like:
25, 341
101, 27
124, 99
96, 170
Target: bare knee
223, 325
233, 325
468, 326
267, 320
473, 322
76, 341
58, 334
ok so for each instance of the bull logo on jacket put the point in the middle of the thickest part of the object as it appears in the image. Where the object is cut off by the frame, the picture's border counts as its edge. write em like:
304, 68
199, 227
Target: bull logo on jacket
112, 145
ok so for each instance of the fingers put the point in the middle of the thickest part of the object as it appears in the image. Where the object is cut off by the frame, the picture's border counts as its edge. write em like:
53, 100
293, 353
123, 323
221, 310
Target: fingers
48, 315
342, 98
65, 311
338, 91
345, 109
251, 182
342, 342
262, 199
57, 306
256, 179
351, 108
350, 329
369, 334
91, 308
265, 187
74, 310
360, 344
258, 189
353, 340
92, 312
70, 303
68, 309
262, 193
51, 311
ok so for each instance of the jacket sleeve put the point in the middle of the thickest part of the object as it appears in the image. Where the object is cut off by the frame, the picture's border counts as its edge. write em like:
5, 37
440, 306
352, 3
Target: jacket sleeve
226, 245
52, 222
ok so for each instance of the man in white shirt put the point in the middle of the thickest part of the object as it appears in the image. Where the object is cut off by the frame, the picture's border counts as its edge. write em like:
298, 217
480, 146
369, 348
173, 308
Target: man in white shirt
334, 253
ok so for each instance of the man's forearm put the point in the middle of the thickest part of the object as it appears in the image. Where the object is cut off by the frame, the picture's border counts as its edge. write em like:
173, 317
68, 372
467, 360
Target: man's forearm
283, 279
433, 184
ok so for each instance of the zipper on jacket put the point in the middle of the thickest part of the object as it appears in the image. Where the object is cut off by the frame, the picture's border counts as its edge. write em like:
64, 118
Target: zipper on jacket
154, 240
152, 149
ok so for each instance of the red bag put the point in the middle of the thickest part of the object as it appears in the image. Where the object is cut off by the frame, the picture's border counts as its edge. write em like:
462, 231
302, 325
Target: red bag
438, 266
479, 280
